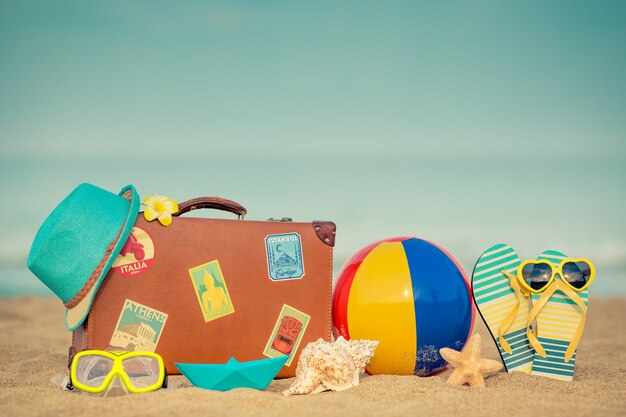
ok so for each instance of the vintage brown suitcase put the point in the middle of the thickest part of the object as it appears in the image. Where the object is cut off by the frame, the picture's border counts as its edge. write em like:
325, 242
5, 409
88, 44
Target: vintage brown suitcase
202, 290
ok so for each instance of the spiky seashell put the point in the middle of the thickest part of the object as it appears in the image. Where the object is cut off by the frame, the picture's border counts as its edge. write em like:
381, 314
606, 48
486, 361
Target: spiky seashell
331, 365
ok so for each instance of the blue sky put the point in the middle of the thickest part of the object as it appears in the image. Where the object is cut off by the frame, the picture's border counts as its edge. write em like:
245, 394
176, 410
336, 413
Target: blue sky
416, 117
442, 77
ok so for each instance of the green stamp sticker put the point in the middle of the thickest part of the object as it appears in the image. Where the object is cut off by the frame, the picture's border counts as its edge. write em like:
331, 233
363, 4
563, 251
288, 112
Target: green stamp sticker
211, 291
287, 334
138, 328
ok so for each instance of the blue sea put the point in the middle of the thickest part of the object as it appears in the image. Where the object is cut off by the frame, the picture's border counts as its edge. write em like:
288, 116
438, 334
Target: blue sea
466, 203
465, 125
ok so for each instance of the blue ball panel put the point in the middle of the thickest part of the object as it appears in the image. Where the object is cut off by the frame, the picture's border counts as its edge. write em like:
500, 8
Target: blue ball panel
443, 308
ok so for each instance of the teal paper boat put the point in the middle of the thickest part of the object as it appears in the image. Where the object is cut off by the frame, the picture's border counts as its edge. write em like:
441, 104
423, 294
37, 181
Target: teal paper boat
233, 374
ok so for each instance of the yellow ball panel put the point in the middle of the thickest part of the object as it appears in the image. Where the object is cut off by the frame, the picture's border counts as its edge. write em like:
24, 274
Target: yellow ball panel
381, 307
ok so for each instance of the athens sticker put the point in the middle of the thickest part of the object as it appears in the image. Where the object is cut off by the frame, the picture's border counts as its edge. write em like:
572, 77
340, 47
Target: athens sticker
284, 256
138, 328
287, 333
136, 255
211, 291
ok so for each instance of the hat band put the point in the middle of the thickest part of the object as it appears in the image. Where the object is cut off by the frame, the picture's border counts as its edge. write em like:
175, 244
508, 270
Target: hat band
96, 273
94, 276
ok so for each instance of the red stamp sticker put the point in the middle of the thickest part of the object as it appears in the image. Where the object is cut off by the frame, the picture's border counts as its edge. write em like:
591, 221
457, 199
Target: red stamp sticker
288, 332
137, 254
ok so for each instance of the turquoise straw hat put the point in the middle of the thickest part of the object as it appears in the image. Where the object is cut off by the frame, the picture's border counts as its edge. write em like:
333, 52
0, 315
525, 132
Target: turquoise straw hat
76, 245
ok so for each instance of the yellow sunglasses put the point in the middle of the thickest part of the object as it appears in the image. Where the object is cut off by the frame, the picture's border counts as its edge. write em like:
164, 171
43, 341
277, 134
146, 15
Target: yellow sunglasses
93, 370
536, 276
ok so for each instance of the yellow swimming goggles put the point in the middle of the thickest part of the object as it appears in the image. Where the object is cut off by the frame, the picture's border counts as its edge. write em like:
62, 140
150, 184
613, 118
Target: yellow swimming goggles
93, 371
536, 276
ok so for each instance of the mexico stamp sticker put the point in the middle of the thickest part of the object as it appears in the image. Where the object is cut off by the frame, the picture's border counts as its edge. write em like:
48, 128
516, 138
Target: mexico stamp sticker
211, 291
284, 256
137, 254
287, 334
138, 328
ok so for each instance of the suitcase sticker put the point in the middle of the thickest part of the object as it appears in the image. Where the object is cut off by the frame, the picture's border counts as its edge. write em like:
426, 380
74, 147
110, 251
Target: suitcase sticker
211, 291
139, 327
137, 254
287, 333
284, 256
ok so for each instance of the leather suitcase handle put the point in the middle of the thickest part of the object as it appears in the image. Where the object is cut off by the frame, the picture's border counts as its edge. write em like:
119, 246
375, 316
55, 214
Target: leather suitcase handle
216, 203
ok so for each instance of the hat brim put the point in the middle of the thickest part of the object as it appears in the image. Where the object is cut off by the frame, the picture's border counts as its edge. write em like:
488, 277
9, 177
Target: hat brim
76, 315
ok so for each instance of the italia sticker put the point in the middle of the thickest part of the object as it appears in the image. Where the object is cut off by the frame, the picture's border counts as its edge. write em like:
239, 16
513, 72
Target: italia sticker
284, 256
287, 334
137, 254
139, 327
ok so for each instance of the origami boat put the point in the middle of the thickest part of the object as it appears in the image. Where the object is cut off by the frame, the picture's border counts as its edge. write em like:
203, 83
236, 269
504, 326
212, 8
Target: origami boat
233, 374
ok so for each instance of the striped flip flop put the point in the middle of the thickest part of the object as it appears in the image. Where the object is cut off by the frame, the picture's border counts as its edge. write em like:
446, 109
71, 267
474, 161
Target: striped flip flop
503, 306
557, 323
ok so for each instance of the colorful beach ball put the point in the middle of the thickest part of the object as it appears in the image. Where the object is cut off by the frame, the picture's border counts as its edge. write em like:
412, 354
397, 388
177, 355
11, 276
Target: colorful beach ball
411, 295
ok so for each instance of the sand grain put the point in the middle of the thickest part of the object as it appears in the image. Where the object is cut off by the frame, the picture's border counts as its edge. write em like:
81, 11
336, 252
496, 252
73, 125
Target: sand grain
33, 349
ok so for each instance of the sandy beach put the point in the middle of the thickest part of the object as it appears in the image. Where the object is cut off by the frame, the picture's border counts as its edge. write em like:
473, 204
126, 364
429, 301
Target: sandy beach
33, 352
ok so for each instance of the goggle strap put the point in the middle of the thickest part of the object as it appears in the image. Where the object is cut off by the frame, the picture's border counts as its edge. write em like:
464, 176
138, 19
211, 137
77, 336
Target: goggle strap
70, 386
71, 352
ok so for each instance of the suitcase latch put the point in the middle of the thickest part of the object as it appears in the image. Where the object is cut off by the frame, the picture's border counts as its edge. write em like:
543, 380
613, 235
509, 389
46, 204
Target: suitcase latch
284, 219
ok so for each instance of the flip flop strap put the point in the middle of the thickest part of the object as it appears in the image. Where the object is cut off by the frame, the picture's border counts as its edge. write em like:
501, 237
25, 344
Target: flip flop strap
532, 338
510, 318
